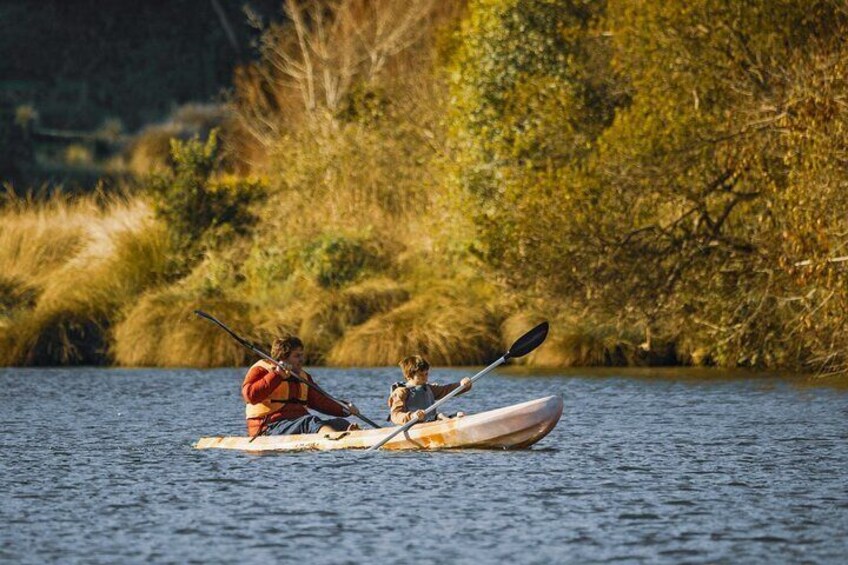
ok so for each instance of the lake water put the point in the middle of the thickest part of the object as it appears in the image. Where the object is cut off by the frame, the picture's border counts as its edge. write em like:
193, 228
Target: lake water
97, 466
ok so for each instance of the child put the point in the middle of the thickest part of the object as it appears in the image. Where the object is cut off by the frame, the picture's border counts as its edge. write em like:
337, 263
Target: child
411, 398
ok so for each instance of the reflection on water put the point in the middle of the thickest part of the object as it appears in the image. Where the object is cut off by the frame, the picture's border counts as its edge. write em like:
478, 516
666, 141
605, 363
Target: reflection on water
97, 465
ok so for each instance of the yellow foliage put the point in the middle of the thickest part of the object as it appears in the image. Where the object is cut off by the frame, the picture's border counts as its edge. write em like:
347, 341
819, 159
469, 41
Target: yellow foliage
82, 261
445, 327
161, 330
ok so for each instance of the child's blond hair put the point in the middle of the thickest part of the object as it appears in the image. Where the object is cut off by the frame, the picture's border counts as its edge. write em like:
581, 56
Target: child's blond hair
413, 365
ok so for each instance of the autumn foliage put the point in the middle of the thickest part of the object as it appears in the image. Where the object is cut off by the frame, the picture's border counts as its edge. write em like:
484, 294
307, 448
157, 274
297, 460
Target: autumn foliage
665, 181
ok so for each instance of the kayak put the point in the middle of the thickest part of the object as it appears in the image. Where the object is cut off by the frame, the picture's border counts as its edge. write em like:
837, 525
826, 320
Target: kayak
511, 427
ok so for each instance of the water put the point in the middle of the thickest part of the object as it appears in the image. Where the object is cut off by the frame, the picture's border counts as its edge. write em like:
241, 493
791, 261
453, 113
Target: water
97, 467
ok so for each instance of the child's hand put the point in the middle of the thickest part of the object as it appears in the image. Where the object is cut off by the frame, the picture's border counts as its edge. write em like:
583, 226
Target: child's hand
420, 415
465, 384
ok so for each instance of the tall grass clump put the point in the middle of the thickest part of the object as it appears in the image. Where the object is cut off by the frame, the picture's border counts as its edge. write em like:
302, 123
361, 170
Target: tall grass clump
79, 262
449, 326
162, 331
37, 238
332, 314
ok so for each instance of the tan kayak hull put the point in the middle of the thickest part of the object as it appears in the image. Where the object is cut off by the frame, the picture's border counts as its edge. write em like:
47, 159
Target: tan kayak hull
511, 427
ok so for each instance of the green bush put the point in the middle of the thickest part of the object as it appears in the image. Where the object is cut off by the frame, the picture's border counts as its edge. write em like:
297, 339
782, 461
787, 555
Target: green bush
199, 209
335, 260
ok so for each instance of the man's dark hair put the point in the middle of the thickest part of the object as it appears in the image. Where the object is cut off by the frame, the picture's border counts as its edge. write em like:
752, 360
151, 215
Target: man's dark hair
282, 347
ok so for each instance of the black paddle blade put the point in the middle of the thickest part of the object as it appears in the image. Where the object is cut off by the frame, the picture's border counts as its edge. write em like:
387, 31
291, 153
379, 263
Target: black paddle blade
528, 342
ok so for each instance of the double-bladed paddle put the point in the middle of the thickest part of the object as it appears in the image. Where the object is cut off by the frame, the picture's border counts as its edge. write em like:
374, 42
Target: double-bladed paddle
522, 346
283, 366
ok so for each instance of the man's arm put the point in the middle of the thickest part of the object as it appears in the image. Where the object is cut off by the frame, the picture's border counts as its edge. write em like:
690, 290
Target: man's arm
259, 383
320, 402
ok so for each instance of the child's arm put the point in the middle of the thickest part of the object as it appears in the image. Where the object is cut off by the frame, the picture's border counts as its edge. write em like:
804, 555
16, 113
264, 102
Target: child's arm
397, 407
440, 391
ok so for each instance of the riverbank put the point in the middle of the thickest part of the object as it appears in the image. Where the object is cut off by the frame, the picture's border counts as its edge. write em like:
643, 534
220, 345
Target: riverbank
88, 280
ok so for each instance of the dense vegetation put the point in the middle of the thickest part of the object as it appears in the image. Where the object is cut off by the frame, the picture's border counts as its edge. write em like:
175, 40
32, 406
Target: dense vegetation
665, 181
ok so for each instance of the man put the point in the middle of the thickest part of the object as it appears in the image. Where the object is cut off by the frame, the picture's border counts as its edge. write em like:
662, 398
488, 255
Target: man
277, 402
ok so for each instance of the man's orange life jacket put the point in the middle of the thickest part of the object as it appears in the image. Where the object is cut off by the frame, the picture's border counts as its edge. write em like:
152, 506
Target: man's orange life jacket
290, 391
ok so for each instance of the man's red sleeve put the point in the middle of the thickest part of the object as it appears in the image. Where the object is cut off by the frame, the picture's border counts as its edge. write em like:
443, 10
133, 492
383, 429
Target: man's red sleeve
258, 384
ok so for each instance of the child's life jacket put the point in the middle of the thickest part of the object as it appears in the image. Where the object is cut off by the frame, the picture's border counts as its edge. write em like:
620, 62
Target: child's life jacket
418, 398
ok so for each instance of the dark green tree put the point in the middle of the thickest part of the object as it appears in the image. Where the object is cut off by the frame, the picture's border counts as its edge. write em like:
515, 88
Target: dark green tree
200, 209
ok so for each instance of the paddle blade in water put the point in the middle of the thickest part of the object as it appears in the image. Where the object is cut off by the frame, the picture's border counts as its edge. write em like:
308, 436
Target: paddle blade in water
528, 342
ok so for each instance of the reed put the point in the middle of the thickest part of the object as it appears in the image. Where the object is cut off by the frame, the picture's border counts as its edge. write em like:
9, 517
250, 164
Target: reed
74, 264
445, 327
162, 331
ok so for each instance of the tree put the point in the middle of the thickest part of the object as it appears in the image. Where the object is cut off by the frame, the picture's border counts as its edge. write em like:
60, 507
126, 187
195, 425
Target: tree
667, 165
198, 208
532, 91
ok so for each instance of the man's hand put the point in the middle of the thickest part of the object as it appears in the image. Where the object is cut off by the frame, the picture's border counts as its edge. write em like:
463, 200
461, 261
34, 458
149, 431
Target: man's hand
351, 407
420, 415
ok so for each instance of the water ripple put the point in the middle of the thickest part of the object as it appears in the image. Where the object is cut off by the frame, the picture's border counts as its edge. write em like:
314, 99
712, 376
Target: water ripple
638, 470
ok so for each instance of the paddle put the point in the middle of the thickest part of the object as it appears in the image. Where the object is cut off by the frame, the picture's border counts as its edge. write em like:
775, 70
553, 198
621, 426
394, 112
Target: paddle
522, 346
270, 359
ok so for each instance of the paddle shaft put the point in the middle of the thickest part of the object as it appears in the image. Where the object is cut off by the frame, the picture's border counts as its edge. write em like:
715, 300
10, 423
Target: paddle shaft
441, 401
282, 366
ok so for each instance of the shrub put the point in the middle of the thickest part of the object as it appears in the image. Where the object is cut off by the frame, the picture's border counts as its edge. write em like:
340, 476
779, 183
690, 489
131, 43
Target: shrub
150, 150
199, 209
335, 260
162, 331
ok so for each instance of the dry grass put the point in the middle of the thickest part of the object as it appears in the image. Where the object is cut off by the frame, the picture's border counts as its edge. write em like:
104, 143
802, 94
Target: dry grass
75, 263
36, 240
333, 314
582, 342
161, 330
446, 328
